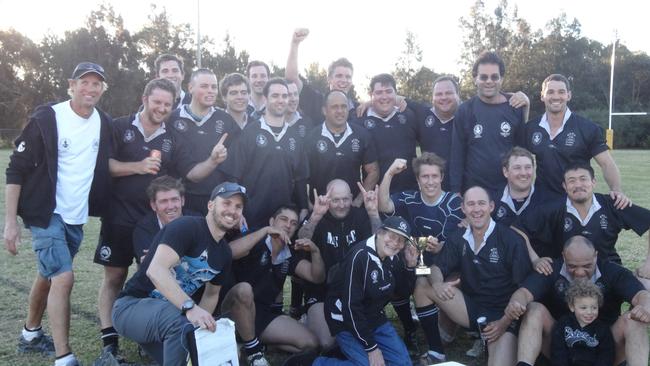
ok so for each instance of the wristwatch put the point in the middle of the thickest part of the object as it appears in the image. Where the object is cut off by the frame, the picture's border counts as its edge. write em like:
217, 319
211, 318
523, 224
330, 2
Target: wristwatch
187, 305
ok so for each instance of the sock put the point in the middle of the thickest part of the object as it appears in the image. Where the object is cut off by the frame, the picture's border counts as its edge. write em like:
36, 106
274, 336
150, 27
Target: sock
64, 360
110, 336
253, 346
30, 334
403, 311
276, 308
437, 356
522, 363
429, 321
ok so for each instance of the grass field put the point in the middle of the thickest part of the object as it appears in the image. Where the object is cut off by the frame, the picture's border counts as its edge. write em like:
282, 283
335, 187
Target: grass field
17, 273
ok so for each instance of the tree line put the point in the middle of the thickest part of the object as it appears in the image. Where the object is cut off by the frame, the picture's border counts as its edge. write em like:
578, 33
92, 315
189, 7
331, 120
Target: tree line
34, 73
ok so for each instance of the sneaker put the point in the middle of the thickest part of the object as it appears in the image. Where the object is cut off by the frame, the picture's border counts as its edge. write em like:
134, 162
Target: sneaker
110, 357
411, 342
257, 359
477, 349
73, 362
301, 359
42, 344
432, 358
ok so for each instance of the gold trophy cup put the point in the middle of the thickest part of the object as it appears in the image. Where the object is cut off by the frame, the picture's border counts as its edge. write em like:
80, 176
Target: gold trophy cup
422, 269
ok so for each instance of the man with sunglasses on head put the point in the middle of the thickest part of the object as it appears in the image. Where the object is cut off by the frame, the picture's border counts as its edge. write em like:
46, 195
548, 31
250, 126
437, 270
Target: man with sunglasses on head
485, 128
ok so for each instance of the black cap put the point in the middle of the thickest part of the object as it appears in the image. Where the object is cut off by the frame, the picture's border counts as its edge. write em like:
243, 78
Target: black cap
397, 225
88, 67
228, 189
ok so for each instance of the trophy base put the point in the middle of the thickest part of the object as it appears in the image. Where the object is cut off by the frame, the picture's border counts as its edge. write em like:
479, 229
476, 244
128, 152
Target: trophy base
422, 271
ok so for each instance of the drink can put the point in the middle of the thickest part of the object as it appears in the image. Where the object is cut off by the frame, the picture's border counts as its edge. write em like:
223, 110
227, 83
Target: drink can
481, 323
155, 154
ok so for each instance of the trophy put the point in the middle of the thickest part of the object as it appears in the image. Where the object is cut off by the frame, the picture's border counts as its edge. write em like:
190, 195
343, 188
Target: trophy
422, 269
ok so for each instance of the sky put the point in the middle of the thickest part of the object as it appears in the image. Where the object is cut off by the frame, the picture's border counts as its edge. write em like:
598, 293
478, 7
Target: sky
369, 33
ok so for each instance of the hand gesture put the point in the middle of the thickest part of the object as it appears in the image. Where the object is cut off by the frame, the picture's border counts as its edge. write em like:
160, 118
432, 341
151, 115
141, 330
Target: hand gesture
201, 318
515, 310
299, 35
321, 204
369, 199
398, 166
411, 255
12, 236
219, 151
445, 290
434, 245
278, 234
305, 245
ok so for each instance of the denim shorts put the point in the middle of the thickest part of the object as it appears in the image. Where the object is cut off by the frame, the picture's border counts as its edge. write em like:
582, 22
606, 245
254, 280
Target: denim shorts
55, 246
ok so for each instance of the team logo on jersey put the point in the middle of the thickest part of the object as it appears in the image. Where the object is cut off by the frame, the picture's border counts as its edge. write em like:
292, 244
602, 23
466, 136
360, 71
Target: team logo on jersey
180, 125
321, 146
573, 336
478, 131
292, 144
265, 259
501, 212
95, 145
166, 145
218, 127
21, 147
603, 221
369, 123
537, 138
104, 253
302, 130
505, 129
129, 136
560, 286
355, 144
429, 121
570, 139
64, 144
374, 275
261, 140
494, 255
568, 224
401, 118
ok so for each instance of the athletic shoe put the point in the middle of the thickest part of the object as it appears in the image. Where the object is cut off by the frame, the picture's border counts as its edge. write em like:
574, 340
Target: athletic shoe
73, 362
477, 349
257, 359
301, 359
411, 342
111, 357
42, 344
432, 358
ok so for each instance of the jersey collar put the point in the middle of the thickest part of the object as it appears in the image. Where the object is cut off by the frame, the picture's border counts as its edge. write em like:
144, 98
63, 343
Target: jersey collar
433, 110
370, 243
595, 206
564, 273
507, 199
371, 113
470, 238
326, 133
543, 123
265, 126
187, 114
138, 124
295, 117
284, 254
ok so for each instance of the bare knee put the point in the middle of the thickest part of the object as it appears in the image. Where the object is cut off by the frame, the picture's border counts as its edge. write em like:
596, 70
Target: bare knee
308, 342
62, 282
422, 292
114, 277
241, 294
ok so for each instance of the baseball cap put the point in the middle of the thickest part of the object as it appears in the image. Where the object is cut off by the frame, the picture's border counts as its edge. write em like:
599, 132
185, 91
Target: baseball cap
228, 189
84, 68
397, 225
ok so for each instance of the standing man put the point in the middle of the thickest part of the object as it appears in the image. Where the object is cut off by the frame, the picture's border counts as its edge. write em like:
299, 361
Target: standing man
493, 262
58, 176
268, 160
258, 74
338, 149
560, 137
235, 92
170, 67
485, 128
200, 128
395, 133
339, 77
292, 116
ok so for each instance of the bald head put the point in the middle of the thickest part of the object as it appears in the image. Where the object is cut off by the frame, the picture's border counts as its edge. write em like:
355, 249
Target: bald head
340, 198
579, 257
339, 186
335, 109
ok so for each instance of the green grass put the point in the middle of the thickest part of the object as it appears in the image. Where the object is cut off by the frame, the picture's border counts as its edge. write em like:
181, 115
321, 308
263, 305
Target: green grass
18, 272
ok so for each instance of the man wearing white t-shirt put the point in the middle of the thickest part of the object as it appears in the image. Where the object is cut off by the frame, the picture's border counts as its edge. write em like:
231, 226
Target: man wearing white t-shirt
58, 176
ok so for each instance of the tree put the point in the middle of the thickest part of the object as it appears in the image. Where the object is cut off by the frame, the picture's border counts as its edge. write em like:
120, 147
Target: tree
413, 79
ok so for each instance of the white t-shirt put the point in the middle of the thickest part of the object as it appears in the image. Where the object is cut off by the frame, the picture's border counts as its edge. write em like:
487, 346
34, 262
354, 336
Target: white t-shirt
78, 146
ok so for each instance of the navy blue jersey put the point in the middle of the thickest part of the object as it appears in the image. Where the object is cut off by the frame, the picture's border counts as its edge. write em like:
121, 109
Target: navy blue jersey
440, 219
265, 277
272, 168
493, 274
129, 201
344, 158
202, 259
617, 284
508, 210
200, 137
551, 225
482, 134
312, 101
146, 229
302, 124
395, 138
578, 142
574, 345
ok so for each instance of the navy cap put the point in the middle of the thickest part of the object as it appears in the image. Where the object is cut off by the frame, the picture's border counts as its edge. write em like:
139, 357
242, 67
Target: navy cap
397, 225
228, 189
88, 67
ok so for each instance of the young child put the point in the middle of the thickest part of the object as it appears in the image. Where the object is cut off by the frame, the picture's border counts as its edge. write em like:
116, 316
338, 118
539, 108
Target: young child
580, 339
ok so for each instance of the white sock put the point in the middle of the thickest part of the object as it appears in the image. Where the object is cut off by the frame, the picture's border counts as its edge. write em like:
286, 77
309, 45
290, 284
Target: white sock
29, 335
437, 356
64, 360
